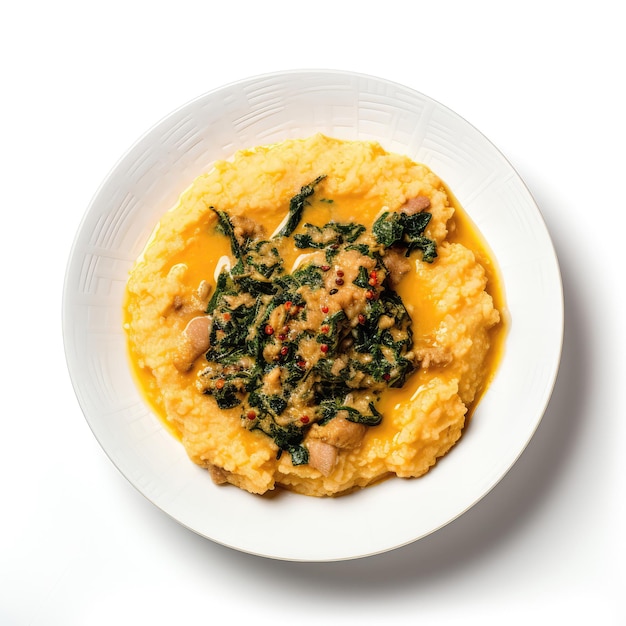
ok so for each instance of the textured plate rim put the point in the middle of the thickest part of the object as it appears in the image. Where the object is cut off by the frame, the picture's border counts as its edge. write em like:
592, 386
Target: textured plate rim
69, 345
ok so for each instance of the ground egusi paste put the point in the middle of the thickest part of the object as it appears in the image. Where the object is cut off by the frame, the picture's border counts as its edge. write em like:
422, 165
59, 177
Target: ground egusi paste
317, 315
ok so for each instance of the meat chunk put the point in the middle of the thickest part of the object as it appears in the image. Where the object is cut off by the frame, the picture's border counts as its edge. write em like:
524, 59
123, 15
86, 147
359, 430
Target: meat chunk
339, 432
415, 205
397, 265
193, 342
324, 442
322, 456
218, 475
244, 228
433, 356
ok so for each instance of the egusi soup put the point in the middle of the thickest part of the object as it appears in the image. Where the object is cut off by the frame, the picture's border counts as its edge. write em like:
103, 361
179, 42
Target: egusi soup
316, 315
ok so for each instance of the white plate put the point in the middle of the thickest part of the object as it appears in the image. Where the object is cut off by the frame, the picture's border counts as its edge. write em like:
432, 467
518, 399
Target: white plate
147, 181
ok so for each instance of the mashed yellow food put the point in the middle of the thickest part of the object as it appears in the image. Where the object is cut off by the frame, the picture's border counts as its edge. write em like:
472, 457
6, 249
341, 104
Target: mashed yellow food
314, 315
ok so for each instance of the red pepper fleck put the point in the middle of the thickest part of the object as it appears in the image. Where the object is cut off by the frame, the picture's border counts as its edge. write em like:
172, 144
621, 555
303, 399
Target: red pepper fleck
324, 309
325, 268
338, 281
325, 328
219, 383
339, 273
304, 419
361, 318
301, 363
285, 329
387, 376
251, 415
369, 294
288, 304
373, 274
269, 330
227, 317
372, 282
282, 337
324, 348
284, 350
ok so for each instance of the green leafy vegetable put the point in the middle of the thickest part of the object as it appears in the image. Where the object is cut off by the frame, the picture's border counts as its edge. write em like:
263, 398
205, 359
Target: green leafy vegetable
225, 226
310, 275
261, 325
393, 228
330, 409
296, 207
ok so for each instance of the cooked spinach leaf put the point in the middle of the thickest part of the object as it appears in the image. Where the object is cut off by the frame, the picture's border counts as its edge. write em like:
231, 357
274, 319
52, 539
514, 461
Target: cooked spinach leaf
330, 408
310, 275
296, 207
388, 229
224, 225
259, 331
396, 228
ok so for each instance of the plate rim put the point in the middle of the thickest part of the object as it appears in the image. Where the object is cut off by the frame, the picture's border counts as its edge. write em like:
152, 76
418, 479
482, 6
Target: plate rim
66, 309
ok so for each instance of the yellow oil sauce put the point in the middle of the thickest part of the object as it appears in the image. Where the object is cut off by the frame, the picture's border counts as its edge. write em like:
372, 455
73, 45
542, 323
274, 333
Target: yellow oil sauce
462, 230
206, 250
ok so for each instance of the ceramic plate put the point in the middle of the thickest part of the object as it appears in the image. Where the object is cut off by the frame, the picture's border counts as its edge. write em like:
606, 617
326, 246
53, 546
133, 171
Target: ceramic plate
148, 180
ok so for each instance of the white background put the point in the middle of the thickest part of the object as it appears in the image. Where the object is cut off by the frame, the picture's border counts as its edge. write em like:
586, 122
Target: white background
82, 81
